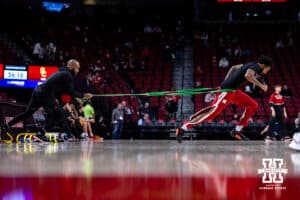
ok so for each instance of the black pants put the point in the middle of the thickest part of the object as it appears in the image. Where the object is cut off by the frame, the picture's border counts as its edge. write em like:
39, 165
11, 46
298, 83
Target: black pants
277, 127
76, 129
48, 102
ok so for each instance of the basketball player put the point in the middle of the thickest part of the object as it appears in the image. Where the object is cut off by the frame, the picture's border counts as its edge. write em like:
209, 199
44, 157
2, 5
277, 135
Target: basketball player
236, 76
47, 94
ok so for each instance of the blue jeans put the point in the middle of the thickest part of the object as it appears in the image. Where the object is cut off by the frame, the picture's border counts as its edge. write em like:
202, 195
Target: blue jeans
117, 129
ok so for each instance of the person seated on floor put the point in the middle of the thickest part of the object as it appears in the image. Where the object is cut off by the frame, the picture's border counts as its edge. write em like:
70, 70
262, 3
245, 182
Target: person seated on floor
89, 120
73, 120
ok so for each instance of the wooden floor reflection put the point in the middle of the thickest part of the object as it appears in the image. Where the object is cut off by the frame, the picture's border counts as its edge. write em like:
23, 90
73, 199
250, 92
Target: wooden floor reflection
137, 169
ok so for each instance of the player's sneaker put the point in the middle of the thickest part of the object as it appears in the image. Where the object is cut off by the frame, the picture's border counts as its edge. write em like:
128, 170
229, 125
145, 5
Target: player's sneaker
96, 138
287, 139
295, 144
269, 139
238, 135
84, 136
42, 137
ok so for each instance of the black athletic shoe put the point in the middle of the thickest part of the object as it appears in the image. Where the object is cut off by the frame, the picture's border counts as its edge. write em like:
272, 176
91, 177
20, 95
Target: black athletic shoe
179, 133
269, 139
238, 135
42, 137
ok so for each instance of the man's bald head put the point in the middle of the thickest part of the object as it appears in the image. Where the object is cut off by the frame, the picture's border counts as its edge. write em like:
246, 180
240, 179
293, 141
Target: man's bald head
73, 65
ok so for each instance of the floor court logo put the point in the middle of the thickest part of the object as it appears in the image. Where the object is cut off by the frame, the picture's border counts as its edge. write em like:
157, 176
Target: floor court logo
272, 173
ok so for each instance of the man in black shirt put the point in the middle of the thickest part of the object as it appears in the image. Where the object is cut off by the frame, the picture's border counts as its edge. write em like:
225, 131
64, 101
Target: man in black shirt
47, 94
235, 77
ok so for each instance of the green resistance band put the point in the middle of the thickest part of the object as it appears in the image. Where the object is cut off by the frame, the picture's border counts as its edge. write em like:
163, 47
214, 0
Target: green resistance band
184, 92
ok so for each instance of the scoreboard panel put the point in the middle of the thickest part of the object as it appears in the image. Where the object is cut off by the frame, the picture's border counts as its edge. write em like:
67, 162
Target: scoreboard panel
24, 76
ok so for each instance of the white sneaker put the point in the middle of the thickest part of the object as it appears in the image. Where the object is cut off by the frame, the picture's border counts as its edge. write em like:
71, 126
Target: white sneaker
184, 127
84, 135
268, 139
295, 144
